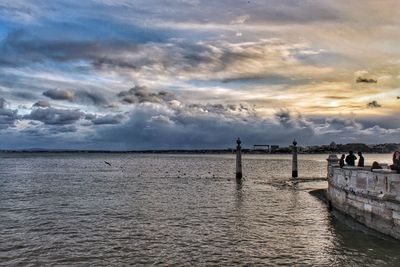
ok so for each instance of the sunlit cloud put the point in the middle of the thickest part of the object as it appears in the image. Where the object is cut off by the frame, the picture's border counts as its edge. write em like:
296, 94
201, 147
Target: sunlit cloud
91, 73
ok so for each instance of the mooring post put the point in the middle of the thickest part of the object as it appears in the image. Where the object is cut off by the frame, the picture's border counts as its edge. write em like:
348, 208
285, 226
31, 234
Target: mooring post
294, 160
333, 160
238, 159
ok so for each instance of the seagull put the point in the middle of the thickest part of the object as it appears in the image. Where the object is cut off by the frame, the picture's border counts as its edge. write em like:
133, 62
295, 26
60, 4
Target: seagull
108, 163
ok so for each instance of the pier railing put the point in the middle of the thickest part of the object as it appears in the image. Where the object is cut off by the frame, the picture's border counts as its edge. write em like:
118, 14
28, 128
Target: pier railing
382, 183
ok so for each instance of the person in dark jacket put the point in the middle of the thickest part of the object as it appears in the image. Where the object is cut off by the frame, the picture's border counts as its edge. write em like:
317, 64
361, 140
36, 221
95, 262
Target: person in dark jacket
351, 159
375, 165
396, 162
360, 160
341, 161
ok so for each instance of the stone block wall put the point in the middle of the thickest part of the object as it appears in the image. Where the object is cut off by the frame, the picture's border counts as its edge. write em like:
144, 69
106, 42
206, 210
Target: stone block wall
372, 198
362, 180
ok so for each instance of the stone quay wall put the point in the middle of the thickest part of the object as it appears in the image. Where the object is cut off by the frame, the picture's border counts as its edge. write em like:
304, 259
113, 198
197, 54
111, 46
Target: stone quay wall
370, 197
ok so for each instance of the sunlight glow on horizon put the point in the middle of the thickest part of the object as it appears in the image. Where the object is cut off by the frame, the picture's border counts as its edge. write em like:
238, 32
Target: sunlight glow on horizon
227, 63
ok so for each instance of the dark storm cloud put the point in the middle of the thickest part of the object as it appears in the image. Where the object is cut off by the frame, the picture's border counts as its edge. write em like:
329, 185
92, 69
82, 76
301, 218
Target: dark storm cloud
91, 97
164, 58
283, 115
62, 129
107, 119
54, 116
218, 60
106, 63
21, 86
374, 104
25, 95
141, 94
264, 79
21, 47
48, 130
164, 126
129, 100
175, 57
3, 103
8, 117
90, 117
42, 104
195, 127
80, 96
58, 94
365, 80
291, 119
387, 122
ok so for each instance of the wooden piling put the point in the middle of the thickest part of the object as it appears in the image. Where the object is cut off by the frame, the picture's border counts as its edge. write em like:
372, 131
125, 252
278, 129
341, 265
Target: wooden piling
294, 160
238, 159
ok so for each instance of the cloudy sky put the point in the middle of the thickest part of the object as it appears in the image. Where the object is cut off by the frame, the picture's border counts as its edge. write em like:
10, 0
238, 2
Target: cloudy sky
152, 74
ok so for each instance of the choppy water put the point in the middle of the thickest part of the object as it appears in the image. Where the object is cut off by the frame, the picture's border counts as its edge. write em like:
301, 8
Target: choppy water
73, 209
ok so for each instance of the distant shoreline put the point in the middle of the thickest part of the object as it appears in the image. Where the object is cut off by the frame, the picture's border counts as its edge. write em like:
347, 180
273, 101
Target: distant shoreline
321, 149
196, 151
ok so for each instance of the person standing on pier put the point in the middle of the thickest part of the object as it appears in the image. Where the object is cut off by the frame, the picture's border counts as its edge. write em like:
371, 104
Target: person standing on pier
341, 161
396, 162
351, 159
360, 160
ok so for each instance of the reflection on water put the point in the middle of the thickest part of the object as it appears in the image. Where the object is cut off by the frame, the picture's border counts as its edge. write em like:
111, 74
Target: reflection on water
73, 209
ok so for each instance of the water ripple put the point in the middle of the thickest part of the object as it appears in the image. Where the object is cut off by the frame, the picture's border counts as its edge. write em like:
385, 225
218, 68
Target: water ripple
172, 210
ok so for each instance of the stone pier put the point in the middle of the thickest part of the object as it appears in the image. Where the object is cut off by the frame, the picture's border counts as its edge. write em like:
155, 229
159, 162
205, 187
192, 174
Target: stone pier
370, 197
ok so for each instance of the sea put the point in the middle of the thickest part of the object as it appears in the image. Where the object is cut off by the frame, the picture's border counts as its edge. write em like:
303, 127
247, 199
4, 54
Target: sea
117, 209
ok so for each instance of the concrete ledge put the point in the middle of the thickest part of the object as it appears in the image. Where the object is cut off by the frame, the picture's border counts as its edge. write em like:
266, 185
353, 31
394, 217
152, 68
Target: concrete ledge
347, 167
360, 195
371, 198
384, 171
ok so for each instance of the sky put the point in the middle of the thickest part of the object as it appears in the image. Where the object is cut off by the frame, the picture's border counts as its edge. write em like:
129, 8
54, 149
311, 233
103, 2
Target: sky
189, 74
